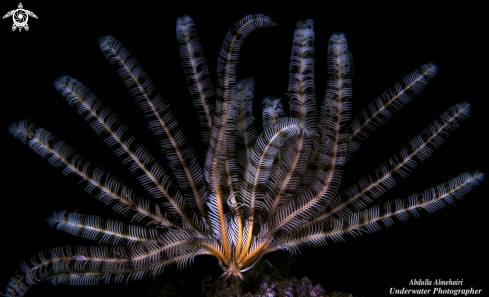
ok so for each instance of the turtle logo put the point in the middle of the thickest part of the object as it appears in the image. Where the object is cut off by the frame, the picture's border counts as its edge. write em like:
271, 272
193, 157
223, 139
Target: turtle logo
20, 17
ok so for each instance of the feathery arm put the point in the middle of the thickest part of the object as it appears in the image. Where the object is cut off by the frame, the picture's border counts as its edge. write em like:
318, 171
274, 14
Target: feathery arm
368, 220
400, 165
116, 135
333, 125
227, 63
82, 265
302, 106
180, 156
386, 105
198, 78
102, 230
92, 179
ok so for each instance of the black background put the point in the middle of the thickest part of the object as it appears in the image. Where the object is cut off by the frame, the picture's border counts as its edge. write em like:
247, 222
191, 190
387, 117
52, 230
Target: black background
387, 43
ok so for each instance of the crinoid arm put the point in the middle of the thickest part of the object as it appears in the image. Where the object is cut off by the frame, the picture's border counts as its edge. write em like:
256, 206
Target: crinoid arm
197, 74
379, 111
319, 232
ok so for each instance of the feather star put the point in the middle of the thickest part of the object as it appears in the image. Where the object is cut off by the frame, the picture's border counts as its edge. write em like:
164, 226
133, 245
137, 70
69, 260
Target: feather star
259, 190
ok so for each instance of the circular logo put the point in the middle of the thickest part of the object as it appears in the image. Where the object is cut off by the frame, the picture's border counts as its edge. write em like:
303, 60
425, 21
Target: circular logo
20, 17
